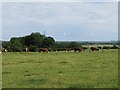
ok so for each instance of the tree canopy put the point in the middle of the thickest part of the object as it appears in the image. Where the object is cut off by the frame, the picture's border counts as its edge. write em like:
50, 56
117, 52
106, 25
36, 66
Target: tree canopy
32, 41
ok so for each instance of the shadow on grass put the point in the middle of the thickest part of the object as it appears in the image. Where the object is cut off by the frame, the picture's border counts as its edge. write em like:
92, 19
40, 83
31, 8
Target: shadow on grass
77, 86
28, 74
58, 83
63, 62
35, 81
6, 72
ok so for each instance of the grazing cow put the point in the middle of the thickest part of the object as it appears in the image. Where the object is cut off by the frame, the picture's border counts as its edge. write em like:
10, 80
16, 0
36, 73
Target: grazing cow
94, 49
4, 50
25, 49
43, 50
99, 47
78, 49
85, 48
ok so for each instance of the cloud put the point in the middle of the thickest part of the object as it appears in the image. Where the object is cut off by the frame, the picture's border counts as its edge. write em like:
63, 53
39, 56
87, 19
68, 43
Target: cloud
92, 34
0, 20
64, 18
61, 1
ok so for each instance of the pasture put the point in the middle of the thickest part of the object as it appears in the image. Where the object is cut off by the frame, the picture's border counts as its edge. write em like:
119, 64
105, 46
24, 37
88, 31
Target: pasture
98, 69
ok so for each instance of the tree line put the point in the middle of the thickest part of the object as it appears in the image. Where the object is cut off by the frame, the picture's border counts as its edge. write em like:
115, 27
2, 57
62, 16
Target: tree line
34, 41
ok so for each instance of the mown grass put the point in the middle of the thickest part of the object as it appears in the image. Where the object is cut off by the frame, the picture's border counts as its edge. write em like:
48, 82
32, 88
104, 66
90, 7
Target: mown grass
60, 69
0, 71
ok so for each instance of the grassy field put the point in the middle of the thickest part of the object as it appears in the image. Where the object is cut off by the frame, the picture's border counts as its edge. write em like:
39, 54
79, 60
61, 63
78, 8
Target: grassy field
60, 69
0, 71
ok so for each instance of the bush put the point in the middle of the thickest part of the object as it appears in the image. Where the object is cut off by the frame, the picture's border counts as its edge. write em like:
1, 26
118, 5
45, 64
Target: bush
33, 49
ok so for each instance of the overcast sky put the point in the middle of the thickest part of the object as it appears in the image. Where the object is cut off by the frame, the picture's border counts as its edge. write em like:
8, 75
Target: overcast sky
64, 21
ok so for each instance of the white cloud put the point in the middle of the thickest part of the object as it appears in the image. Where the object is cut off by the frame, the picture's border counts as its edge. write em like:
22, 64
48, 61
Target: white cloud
92, 34
62, 16
0, 20
60, 0
64, 34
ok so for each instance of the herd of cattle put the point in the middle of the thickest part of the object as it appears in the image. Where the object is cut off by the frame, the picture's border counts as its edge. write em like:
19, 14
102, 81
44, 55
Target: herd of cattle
63, 49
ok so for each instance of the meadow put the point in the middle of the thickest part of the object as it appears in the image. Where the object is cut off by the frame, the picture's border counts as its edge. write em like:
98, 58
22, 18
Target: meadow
98, 69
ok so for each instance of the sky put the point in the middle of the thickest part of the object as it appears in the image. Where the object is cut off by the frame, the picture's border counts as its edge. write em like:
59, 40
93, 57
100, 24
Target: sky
64, 21
0, 19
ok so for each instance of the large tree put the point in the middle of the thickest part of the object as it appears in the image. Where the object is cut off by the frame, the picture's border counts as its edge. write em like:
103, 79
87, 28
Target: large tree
48, 42
15, 44
35, 39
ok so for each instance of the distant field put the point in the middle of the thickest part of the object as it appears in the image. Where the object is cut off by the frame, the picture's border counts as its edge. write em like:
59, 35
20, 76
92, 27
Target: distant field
60, 69
110, 45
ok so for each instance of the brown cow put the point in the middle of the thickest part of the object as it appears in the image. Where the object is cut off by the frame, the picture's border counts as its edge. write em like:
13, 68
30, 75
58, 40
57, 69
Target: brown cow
94, 49
43, 50
78, 49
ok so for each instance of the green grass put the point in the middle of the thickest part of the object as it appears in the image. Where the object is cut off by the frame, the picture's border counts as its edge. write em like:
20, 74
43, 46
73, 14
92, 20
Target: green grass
0, 71
60, 69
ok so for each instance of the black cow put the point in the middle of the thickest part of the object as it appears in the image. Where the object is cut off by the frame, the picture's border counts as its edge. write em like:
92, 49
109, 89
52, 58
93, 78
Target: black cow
94, 49
25, 49
4, 50
99, 47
